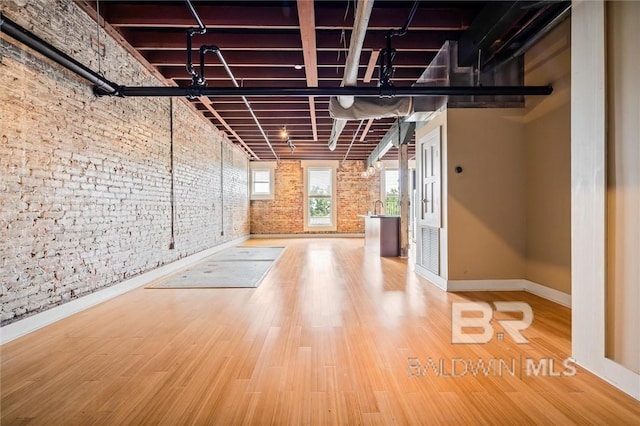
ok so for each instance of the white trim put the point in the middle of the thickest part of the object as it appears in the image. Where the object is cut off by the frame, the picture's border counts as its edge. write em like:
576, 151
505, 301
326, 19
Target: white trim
588, 183
324, 235
393, 164
436, 280
262, 166
549, 293
32, 323
621, 377
616, 375
540, 290
486, 285
308, 165
589, 196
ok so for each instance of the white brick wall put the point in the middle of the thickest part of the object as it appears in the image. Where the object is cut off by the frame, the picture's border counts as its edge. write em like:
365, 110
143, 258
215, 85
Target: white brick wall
85, 181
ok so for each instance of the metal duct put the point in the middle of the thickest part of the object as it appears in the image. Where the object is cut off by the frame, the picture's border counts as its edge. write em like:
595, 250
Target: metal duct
350, 78
360, 25
392, 138
366, 108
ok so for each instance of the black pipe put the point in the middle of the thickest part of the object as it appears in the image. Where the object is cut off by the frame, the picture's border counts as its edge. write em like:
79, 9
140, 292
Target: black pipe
196, 17
103, 86
386, 62
195, 92
198, 80
388, 53
203, 51
405, 28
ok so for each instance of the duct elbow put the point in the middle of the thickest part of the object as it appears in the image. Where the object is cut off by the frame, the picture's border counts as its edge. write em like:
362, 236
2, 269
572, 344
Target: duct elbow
336, 130
346, 101
365, 108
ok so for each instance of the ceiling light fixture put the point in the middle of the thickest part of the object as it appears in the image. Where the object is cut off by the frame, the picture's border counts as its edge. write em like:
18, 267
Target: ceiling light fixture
297, 66
290, 144
283, 133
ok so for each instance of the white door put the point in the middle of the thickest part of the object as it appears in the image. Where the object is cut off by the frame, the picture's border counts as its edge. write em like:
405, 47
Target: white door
430, 179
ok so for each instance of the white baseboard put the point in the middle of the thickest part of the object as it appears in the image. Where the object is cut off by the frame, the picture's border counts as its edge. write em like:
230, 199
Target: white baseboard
545, 292
549, 293
486, 285
437, 280
32, 323
621, 377
613, 373
332, 235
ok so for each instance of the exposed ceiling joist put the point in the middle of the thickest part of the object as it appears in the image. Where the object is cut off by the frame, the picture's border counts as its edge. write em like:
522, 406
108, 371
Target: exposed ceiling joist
262, 41
306, 17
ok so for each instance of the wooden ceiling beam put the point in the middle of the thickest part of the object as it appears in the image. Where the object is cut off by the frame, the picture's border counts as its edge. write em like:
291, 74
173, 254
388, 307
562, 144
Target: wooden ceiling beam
146, 39
271, 74
278, 17
306, 18
263, 41
278, 41
371, 66
326, 60
179, 16
365, 132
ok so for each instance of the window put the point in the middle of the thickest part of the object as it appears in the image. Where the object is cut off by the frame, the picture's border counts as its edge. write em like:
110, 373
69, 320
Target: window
262, 185
261, 182
391, 192
319, 195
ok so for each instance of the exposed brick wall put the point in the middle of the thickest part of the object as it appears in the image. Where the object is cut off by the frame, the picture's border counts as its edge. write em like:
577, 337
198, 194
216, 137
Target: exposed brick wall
85, 182
284, 214
356, 195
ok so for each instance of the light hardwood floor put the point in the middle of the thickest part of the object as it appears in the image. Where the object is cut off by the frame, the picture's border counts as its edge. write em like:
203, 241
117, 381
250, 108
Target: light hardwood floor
326, 339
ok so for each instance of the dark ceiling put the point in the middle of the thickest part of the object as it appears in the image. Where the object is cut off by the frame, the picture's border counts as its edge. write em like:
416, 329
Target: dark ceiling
262, 41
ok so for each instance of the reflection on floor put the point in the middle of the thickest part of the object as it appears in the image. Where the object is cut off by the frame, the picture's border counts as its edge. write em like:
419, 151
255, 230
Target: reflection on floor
333, 335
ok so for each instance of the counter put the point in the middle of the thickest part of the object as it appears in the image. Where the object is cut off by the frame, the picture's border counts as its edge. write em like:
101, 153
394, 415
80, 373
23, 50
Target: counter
383, 233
